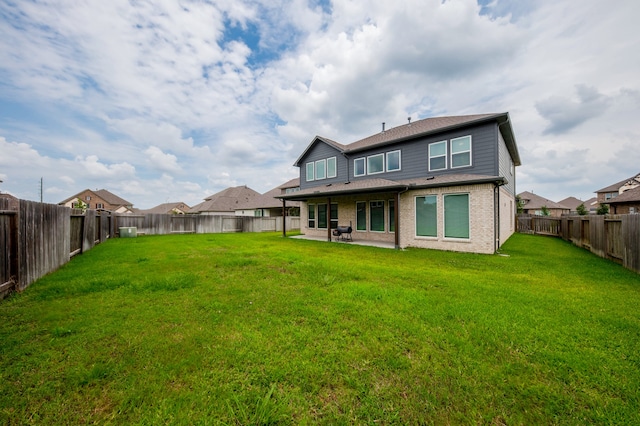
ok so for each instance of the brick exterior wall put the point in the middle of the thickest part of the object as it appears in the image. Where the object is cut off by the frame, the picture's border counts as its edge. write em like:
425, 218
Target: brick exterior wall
481, 217
93, 202
481, 232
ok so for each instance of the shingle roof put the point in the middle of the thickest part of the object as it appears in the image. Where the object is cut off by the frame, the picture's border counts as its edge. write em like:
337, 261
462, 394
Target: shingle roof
226, 200
616, 186
571, 202
416, 128
111, 198
424, 127
266, 201
631, 195
166, 208
536, 202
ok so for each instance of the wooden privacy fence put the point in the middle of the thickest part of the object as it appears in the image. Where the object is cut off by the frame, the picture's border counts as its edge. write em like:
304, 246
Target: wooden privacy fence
614, 237
162, 224
38, 238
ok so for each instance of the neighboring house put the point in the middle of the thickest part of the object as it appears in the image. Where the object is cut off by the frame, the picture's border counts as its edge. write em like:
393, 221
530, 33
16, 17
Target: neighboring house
444, 183
592, 205
605, 195
626, 203
266, 205
225, 202
100, 199
572, 203
167, 208
533, 204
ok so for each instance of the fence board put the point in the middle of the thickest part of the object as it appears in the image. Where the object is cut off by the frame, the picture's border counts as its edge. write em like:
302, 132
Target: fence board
614, 237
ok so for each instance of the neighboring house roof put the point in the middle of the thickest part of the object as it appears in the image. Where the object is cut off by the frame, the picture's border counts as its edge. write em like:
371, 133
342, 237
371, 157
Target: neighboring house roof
293, 183
534, 201
226, 200
167, 208
423, 128
383, 185
107, 196
572, 203
630, 196
634, 180
268, 200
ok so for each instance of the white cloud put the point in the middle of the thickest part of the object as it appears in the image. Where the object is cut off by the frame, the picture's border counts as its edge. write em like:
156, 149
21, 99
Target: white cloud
137, 94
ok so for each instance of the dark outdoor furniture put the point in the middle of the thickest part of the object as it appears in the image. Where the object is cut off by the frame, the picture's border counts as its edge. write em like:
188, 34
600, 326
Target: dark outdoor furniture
343, 233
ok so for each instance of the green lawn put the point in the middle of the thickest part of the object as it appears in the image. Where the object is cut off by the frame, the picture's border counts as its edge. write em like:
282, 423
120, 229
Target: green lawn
259, 329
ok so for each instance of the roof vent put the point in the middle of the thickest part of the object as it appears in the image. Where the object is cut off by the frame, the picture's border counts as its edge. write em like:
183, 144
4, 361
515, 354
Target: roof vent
409, 118
383, 127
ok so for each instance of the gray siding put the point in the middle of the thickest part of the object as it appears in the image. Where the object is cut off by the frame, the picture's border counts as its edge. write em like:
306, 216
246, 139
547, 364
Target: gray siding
504, 162
415, 155
319, 151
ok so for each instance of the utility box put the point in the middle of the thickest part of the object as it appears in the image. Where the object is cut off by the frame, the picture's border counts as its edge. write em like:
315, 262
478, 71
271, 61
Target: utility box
128, 232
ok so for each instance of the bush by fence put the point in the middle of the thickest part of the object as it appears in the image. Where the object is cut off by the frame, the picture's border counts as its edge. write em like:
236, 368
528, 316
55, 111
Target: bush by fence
39, 238
614, 237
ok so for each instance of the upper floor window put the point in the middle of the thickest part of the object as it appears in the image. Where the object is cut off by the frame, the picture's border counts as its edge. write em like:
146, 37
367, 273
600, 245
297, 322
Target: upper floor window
375, 164
438, 156
393, 161
359, 167
331, 167
461, 152
310, 171
322, 169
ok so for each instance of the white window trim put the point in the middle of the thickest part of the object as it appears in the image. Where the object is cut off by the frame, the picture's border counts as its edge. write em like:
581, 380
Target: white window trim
383, 165
323, 162
313, 171
366, 214
446, 148
399, 160
444, 219
335, 167
364, 163
415, 214
462, 152
384, 225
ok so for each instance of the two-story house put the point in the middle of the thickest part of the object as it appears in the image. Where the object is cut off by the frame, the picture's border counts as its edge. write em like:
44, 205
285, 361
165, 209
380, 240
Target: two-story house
99, 199
444, 183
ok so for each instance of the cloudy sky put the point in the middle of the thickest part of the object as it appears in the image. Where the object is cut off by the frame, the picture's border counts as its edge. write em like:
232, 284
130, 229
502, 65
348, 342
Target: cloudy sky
173, 100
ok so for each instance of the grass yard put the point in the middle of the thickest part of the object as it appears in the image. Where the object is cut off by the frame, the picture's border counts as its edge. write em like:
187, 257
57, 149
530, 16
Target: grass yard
258, 329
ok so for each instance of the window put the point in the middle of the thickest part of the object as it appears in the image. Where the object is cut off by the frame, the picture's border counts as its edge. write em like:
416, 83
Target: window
376, 216
392, 216
461, 152
361, 216
310, 168
375, 164
334, 216
311, 215
358, 167
427, 216
88, 198
456, 216
438, 156
322, 216
393, 161
257, 213
99, 206
331, 167
321, 169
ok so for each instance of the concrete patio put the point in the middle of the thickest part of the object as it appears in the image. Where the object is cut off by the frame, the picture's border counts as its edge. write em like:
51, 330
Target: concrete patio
356, 242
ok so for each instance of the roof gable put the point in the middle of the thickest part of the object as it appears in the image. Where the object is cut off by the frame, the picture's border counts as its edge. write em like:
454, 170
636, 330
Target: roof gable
314, 142
616, 186
536, 202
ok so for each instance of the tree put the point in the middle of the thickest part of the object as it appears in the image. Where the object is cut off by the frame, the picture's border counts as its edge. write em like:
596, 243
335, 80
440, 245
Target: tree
582, 210
519, 205
545, 211
603, 209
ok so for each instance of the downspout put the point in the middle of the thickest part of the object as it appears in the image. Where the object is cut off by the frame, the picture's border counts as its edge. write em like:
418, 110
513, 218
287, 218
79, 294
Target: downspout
329, 219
